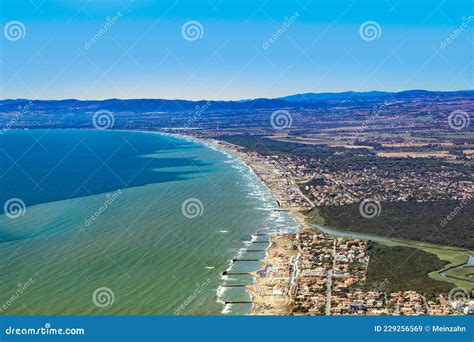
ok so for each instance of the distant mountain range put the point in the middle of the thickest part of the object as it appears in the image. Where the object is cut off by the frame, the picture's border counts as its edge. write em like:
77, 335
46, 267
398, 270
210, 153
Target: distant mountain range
139, 105
312, 97
307, 100
351, 95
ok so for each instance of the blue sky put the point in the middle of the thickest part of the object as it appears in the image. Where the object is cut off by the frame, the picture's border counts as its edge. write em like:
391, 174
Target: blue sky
245, 49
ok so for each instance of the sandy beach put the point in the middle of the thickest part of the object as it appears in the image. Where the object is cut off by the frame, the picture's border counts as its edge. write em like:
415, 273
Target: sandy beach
274, 283
266, 296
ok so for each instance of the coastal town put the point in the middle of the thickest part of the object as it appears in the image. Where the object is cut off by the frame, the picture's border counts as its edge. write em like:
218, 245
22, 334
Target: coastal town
299, 182
328, 279
313, 273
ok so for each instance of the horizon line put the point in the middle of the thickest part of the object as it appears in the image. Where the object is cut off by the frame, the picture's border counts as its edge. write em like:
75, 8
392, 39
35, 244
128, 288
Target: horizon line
240, 100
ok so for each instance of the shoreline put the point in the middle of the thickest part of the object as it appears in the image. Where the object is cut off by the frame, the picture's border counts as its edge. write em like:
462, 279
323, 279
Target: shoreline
264, 301
265, 296
270, 294
295, 212
274, 283
258, 290
247, 169
298, 217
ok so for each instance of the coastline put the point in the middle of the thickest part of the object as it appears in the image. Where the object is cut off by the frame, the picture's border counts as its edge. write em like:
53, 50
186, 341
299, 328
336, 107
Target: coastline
259, 289
264, 292
255, 290
251, 226
279, 284
273, 291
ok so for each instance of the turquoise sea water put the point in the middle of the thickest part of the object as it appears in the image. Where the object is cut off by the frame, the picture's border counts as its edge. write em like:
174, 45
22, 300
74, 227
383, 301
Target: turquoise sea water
104, 209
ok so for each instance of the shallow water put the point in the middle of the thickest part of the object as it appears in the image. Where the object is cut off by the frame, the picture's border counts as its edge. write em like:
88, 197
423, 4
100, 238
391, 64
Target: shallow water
154, 259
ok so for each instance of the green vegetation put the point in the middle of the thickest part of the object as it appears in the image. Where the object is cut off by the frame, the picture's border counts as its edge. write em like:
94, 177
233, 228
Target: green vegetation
336, 158
421, 228
314, 216
464, 273
401, 268
270, 147
356, 266
409, 221
453, 256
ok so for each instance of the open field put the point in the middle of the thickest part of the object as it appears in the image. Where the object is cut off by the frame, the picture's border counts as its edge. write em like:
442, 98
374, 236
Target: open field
465, 273
415, 144
329, 143
433, 154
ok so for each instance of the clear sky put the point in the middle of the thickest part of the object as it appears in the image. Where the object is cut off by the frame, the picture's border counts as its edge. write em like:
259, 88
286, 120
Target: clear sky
243, 48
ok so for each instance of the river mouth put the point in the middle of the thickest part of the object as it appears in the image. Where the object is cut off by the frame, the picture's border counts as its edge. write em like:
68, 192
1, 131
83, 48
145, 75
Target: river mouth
469, 263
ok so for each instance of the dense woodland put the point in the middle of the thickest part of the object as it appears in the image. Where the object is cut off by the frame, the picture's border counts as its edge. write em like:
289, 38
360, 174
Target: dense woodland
410, 220
388, 270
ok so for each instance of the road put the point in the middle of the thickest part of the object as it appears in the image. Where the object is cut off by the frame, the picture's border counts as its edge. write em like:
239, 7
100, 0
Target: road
329, 280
